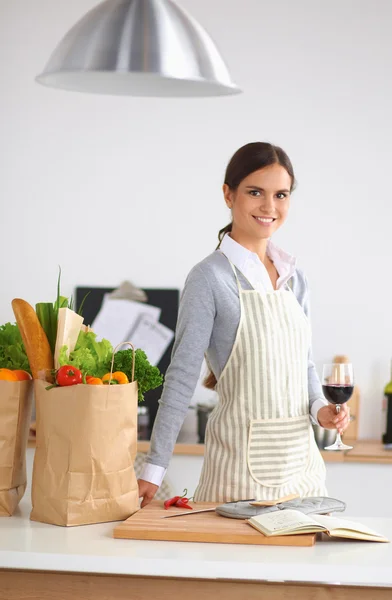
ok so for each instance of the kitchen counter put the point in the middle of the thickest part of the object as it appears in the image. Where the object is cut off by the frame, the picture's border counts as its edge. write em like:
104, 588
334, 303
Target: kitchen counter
86, 562
364, 451
36, 547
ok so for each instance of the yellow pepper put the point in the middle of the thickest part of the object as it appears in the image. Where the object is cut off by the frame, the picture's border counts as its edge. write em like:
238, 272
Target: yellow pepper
117, 378
8, 375
94, 381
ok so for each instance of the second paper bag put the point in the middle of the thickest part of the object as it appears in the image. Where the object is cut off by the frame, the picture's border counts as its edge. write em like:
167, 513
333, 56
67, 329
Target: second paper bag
15, 416
86, 446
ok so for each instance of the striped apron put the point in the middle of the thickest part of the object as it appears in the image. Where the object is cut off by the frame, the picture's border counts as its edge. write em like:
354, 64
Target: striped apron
259, 441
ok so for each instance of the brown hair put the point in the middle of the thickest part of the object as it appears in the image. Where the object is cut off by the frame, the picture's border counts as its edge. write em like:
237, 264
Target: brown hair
248, 159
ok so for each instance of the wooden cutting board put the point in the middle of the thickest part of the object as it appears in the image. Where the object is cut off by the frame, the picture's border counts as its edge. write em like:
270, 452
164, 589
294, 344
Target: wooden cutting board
148, 524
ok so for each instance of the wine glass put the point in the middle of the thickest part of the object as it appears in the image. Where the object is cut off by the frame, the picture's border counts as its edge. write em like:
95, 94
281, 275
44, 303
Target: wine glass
338, 387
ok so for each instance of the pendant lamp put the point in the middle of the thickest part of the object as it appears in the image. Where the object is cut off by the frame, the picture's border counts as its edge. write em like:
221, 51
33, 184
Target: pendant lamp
138, 48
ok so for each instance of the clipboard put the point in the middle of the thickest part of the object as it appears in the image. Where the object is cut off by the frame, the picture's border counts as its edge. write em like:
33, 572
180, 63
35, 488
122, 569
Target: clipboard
167, 299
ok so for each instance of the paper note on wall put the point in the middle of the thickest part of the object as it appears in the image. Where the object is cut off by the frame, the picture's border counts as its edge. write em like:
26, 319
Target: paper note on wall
117, 318
152, 337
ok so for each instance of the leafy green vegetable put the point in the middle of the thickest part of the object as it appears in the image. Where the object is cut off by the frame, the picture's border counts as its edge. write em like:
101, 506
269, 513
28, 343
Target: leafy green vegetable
12, 351
48, 314
102, 351
80, 311
147, 376
95, 358
82, 359
90, 356
57, 303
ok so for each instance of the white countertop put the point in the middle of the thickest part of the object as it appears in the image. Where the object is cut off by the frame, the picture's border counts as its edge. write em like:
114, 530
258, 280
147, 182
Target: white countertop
92, 549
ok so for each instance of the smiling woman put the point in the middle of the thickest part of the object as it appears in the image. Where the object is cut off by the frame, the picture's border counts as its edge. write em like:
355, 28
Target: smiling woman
245, 309
258, 182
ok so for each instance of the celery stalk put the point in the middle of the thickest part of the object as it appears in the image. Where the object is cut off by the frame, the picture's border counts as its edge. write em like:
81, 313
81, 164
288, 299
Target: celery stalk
48, 318
48, 314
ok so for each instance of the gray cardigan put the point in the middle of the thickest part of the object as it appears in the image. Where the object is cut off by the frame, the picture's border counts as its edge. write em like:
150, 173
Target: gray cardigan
207, 324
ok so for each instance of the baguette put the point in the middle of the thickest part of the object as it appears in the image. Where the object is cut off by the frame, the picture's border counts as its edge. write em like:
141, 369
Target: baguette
34, 338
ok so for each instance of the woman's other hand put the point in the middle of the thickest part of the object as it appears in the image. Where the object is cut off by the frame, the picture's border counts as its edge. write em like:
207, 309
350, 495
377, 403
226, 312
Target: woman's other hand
148, 490
330, 419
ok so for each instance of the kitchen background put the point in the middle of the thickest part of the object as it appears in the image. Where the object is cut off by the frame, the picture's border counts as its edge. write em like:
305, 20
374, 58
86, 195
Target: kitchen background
125, 188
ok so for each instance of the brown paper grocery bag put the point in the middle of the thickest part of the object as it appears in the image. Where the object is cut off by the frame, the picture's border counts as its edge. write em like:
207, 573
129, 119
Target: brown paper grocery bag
15, 416
85, 450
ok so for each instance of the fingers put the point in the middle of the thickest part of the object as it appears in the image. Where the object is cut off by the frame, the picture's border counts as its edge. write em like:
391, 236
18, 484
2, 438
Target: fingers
342, 420
147, 492
330, 419
325, 416
145, 501
148, 496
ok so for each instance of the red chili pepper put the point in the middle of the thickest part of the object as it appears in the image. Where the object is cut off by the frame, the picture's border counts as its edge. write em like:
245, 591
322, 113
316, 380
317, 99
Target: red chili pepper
183, 503
171, 502
176, 500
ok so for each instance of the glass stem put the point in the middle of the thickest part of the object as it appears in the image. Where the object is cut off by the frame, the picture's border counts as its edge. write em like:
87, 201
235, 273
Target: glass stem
338, 438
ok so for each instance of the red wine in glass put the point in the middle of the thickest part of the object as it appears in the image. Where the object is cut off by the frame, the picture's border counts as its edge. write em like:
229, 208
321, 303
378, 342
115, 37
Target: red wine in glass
338, 394
338, 387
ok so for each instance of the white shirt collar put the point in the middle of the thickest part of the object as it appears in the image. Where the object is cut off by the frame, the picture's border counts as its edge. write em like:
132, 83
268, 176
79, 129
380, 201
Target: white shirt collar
253, 269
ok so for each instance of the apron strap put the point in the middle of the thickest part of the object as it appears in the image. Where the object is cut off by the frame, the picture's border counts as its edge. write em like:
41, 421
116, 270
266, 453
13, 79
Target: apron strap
236, 275
234, 270
289, 284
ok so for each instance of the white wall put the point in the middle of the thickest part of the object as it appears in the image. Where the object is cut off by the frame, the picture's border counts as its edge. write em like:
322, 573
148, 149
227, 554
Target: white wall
116, 188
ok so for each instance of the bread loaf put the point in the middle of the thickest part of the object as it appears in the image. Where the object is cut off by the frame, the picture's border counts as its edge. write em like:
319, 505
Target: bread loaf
34, 338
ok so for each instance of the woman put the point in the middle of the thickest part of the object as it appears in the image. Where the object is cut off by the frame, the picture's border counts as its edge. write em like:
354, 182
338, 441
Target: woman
245, 308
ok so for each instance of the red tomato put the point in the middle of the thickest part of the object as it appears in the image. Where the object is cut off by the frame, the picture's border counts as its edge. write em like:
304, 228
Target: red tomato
68, 375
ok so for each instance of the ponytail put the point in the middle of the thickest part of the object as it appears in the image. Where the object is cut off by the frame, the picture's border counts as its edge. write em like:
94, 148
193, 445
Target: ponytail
223, 232
209, 381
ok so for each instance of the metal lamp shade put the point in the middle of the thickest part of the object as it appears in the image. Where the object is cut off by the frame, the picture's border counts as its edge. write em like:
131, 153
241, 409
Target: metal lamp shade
138, 48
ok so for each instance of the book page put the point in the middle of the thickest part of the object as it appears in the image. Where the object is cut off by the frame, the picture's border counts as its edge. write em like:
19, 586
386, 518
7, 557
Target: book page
285, 521
152, 337
117, 318
345, 528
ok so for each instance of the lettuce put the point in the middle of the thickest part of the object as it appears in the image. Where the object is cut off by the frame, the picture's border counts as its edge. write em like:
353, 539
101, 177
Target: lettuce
12, 351
90, 357
147, 376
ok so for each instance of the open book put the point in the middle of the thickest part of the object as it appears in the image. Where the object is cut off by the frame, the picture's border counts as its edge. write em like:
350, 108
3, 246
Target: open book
293, 522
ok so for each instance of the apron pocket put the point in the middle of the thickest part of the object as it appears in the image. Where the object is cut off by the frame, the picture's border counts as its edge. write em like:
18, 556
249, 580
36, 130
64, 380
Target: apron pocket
278, 449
